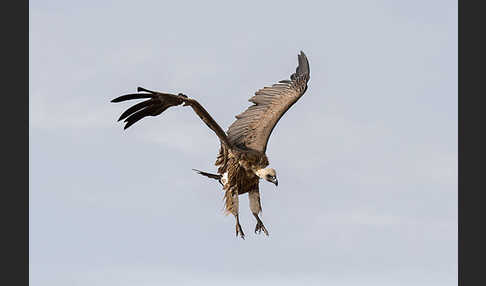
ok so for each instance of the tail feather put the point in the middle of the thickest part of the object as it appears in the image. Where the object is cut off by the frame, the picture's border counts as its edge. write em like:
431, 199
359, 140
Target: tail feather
210, 175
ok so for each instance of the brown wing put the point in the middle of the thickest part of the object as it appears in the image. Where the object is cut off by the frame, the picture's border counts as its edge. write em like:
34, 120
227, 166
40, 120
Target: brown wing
253, 127
158, 102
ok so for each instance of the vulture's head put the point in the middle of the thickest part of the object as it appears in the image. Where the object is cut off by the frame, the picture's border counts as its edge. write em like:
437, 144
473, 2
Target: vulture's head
268, 174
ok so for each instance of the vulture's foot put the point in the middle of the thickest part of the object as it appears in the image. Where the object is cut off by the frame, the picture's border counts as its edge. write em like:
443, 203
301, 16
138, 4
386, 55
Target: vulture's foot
239, 231
259, 227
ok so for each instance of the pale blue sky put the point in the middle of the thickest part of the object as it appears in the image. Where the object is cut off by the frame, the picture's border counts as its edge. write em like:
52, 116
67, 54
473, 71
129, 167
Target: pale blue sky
367, 159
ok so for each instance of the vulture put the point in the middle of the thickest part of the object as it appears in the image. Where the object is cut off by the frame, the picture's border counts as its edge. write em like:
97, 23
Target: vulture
241, 160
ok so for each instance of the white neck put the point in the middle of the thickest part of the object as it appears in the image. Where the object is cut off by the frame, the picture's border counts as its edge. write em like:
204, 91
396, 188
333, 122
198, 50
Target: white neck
261, 173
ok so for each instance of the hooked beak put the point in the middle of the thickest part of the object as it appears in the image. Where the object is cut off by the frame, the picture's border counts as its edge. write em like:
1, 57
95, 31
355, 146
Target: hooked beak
275, 182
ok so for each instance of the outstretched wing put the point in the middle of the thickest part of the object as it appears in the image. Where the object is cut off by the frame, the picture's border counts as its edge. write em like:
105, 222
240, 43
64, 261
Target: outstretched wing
253, 127
158, 102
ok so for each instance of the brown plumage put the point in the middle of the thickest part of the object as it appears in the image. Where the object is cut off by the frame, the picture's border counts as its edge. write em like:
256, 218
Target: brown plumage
241, 160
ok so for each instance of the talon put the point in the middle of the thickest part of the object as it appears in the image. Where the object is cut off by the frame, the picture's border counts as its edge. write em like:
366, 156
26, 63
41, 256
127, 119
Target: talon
265, 231
259, 227
258, 230
239, 231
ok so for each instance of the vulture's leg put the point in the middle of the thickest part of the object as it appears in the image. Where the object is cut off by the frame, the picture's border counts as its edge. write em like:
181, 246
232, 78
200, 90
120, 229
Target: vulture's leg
255, 207
234, 211
259, 226
239, 230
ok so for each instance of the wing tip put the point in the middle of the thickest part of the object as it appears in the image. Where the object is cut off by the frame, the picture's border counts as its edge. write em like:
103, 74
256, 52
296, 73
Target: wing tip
303, 67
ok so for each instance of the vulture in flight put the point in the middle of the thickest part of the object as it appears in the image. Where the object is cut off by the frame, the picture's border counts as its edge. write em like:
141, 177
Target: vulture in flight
241, 160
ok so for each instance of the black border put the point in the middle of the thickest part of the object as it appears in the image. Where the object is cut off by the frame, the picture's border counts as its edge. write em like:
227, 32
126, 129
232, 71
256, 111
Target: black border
471, 144
460, 198
15, 141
